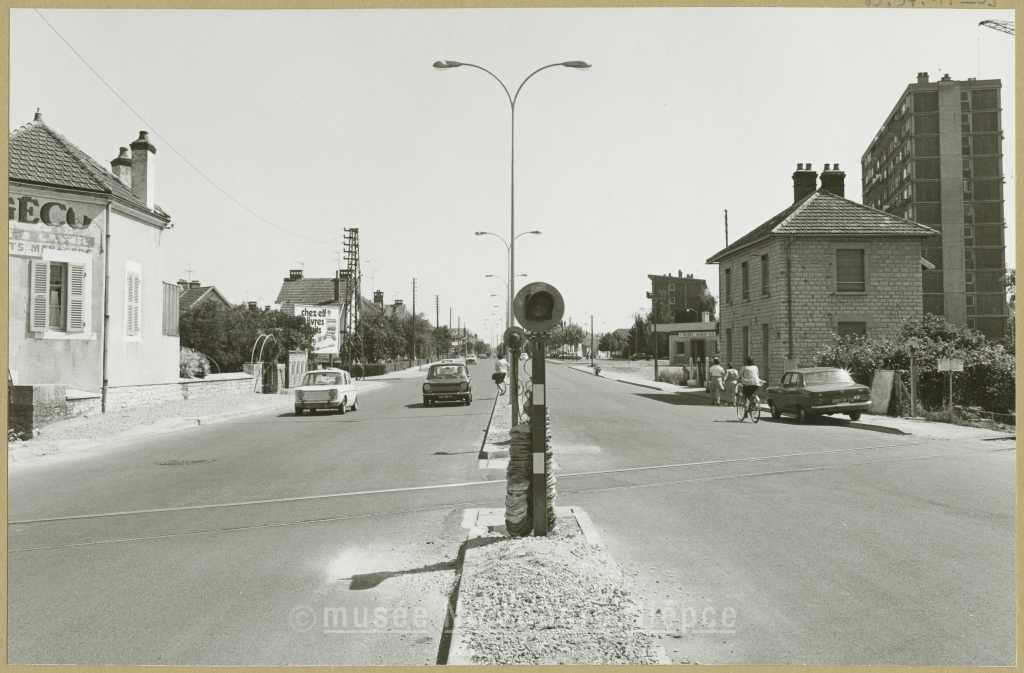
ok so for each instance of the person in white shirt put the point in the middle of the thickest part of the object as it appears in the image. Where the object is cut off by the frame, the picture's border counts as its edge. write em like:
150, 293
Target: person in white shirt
749, 379
717, 382
500, 369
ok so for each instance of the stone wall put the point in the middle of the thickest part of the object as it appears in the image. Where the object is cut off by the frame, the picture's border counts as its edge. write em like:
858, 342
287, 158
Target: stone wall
893, 293
127, 397
33, 406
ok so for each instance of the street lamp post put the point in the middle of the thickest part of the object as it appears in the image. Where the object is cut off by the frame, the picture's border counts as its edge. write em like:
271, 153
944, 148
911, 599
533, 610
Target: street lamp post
509, 249
578, 65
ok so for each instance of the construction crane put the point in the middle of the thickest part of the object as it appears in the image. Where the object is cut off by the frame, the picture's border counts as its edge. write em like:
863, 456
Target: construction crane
1004, 26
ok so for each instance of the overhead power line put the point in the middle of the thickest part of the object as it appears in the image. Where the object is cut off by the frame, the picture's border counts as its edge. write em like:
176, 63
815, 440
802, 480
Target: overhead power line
1004, 26
168, 143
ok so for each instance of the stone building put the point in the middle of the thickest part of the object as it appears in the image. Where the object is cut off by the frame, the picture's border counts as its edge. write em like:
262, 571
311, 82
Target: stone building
823, 266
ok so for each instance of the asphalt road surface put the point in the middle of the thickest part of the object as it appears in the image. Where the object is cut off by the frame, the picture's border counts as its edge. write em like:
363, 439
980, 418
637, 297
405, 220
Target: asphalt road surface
332, 539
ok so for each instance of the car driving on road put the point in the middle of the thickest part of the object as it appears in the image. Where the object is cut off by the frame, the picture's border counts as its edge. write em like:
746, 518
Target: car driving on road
470, 359
326, 389
448, 382
818, 391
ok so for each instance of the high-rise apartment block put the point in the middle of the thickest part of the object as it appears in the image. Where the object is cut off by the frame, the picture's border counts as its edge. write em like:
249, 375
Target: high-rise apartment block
937, 160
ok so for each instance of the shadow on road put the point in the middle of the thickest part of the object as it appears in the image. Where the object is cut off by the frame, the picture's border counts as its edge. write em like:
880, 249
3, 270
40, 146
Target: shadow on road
371, 580
677, 399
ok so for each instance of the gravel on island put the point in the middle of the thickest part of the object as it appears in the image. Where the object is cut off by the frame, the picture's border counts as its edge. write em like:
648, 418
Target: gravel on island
550, 600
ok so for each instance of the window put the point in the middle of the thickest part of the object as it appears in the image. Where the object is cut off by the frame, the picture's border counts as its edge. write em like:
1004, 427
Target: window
728, 285
984, 99
926, 123
928, 191
848, 328
926, 147
988, 144
133, 308
671, 288
765, 276
671, 300
58, 296
745, 279
985, 121
926, 101
987, 190
172, 293
926, 169
850, 272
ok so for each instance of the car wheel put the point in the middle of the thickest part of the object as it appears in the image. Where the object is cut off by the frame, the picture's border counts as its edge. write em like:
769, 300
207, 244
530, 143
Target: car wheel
802, 415
298, 411
775, 410
426, 402
355, 404
854, 415
469, 400
343, 407
312, 411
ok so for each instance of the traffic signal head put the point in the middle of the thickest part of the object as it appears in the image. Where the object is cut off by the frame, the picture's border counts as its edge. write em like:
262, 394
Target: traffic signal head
514, 337
538, 307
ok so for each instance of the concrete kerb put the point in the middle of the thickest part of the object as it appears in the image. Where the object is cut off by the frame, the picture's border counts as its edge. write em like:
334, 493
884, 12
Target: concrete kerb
484, 525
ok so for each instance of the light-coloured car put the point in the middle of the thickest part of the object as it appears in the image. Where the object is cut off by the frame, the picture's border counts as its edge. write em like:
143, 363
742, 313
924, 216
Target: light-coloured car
470, 359
448, 381
326, 389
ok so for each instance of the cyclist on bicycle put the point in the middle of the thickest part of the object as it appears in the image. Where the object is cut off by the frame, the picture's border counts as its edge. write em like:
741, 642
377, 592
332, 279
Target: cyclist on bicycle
500, 370
750, 380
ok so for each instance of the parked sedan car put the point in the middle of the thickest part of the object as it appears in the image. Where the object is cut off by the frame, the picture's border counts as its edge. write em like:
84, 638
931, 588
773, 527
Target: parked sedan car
448, 382
818, 391
470, 359
640, 356
326, 389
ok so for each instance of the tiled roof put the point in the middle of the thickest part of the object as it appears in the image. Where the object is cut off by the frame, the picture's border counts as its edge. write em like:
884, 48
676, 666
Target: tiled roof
309, 291
822, 213
195, 295
40, 155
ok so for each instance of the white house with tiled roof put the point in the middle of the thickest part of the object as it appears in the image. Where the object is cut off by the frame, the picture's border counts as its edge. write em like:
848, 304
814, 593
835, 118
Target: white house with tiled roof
88, 305
823, 266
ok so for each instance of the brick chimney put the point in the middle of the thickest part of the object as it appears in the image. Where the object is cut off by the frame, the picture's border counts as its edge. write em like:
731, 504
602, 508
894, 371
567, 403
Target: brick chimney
183, 283
946, 78
834, 181
144, 170
337, 286
121, 167
194, 285
922, 78
378, 298
805, 181
294, 274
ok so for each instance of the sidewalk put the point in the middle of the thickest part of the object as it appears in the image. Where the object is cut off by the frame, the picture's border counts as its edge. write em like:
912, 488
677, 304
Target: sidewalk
78, 434
888, 424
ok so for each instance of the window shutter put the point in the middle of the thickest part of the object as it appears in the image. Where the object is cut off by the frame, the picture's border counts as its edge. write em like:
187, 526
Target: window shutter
39, 306
76, 297
172, 296
132, 326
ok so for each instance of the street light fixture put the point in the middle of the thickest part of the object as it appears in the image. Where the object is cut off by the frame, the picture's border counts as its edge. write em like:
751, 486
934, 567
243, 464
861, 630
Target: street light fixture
509, 286
577, 65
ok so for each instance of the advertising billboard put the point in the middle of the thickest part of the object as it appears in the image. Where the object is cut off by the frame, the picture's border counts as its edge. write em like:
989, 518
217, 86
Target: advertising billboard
326, 321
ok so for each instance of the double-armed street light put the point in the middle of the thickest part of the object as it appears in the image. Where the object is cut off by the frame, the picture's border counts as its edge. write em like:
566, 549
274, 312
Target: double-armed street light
509, 249
447, 65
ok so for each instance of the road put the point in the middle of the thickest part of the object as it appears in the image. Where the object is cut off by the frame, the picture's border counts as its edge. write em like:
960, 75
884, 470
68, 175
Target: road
832, 545
828, 545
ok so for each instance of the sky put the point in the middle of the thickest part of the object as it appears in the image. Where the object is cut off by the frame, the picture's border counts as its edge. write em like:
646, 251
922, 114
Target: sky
308, 122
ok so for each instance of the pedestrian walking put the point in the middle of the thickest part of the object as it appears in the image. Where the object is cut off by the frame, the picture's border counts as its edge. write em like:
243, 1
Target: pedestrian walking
731, 378
500, 370
717, 382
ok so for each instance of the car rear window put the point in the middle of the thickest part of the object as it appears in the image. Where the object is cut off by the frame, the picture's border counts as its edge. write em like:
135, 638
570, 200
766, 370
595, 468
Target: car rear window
823, 378
446, 370
322, 379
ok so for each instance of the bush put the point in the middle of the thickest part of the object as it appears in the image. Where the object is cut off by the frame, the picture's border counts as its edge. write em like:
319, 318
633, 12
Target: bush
677, 377
192, 364
988, 380
362, 371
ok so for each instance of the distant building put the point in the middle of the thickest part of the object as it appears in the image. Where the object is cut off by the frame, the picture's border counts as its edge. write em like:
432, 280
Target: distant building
398, 309
823, 266
678, 298
193, 294
72, 223
937, 160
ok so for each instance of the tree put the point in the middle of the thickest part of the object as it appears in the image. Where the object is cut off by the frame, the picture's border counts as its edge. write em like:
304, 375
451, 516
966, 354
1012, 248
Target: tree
708, 302
227, 334
610, 342
573, 335
378, 337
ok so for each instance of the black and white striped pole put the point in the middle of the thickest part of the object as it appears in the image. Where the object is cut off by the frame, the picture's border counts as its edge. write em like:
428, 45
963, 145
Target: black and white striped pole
539, 307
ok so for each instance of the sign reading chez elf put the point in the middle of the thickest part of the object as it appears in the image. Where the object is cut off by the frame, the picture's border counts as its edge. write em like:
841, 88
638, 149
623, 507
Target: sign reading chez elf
37, 223
324, 321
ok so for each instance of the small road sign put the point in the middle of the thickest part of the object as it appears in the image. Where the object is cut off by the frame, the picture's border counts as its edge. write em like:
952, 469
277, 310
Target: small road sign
951, 365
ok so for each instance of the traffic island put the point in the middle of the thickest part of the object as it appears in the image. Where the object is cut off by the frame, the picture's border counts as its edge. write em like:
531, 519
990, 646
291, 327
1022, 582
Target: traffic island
559, 599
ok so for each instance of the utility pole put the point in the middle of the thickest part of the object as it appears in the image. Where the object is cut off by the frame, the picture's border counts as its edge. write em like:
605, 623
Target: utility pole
591, 340
437, 311
727, 227
413, 318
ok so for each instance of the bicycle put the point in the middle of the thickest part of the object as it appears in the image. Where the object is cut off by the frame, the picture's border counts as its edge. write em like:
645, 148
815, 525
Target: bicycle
748, 405
501, 385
